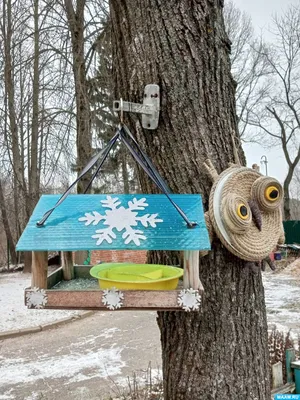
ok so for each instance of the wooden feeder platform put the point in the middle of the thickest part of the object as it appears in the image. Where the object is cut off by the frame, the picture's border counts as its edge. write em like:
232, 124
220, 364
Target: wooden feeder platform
90, 298
74, 226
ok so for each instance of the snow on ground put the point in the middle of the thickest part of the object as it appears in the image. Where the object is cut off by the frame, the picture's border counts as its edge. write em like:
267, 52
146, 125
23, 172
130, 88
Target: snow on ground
14, 315
73, 367
90, 355
84, 360
282, 295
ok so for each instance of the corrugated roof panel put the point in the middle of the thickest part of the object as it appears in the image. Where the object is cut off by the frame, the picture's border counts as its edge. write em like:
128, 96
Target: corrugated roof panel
116, 222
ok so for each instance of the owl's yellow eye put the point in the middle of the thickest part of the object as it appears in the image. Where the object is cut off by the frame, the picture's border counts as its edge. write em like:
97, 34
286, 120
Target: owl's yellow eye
271, 193
268, 193
242, 211
236, 214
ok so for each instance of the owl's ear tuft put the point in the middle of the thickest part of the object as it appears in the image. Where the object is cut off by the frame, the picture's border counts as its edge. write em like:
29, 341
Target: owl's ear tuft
210, 169
255, 167
231, 164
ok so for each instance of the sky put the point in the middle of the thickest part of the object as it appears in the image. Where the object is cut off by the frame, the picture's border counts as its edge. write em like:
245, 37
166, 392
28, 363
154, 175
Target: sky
261, 12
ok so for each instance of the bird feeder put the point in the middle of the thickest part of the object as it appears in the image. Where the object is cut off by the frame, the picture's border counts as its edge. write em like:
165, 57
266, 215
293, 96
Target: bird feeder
117, 222
113, 222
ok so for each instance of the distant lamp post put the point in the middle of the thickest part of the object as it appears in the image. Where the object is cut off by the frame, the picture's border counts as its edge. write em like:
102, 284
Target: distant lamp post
264, 160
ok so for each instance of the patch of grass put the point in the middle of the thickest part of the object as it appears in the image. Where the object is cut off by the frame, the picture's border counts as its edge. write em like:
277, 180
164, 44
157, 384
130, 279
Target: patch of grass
147, 385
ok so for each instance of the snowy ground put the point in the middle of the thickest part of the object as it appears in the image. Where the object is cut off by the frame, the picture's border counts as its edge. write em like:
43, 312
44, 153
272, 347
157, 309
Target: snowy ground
283, 302
14, 314
282, 292
89, 359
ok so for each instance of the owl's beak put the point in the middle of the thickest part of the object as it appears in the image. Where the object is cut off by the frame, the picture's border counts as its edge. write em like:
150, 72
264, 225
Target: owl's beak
256, 214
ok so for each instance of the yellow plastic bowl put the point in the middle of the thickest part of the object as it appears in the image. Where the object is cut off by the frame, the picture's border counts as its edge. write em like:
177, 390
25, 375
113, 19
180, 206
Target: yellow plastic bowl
128, 276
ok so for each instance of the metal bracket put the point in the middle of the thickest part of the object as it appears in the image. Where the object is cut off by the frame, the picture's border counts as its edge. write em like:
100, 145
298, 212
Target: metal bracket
149, 109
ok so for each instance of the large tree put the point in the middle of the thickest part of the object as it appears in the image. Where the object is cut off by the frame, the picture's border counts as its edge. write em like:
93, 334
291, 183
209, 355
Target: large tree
221, 351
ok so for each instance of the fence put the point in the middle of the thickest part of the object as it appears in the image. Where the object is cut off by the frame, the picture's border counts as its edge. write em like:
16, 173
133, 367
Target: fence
277, 375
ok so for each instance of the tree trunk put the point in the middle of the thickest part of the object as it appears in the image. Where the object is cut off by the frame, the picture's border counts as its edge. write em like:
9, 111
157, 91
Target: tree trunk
75, 18
291, 169
34, 179
12, 134
27, 261
125, 173
286, 193
80, 257
12, 138
286, 184
9, 237
33, 170
220, 352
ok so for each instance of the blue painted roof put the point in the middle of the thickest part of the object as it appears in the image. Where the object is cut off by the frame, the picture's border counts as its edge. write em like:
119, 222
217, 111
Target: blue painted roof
116, 222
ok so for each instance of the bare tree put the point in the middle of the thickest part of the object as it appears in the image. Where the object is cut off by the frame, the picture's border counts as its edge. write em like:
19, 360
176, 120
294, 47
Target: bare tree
248, 66
12, 134
276, 115
35, 134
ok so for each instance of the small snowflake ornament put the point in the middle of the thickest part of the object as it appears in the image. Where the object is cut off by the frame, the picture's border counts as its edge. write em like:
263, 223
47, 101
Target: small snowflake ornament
189, 299
112, 298
37, 298
121, 219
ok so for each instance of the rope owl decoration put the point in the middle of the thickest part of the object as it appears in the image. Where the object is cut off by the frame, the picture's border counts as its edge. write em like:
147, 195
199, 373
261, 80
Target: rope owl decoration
245, 212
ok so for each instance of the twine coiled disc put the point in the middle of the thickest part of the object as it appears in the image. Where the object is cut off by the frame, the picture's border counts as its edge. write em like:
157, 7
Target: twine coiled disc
243, 238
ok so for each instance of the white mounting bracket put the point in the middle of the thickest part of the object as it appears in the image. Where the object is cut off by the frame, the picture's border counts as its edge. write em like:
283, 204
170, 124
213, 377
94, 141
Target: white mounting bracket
149, 109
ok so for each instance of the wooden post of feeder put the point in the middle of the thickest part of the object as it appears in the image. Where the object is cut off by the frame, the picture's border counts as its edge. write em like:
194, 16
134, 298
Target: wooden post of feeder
191, 270
67, 265
39, 269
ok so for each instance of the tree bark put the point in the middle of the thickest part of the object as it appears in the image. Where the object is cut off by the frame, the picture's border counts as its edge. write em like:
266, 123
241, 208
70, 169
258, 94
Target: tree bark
6, 225
33, 151
80, 257
12, 138
27, 258
220, 352
286, 193
75, 18
125, 173
34, 178
288, 179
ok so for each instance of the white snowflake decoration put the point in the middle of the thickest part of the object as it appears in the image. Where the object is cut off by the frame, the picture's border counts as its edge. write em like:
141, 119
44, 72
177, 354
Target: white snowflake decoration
37, 298
112, 298
189, 299
121, 219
